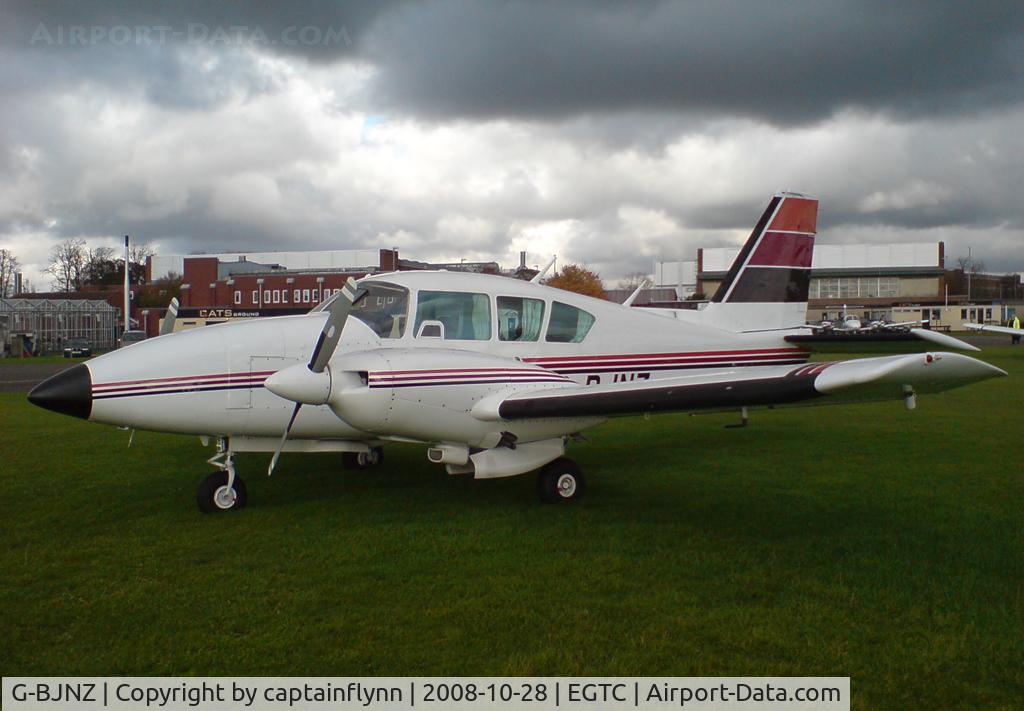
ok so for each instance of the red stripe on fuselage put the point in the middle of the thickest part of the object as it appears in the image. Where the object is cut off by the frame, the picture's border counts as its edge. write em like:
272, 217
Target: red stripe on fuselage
186, 378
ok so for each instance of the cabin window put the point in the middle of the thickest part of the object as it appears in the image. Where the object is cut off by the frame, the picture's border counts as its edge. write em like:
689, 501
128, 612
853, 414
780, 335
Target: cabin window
255, 297
305, 296
466, 317
519, 319
568, 324
238, 297
383, 309
295, 296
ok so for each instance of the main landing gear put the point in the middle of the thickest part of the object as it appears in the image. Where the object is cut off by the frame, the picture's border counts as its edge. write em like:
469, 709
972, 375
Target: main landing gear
362, 460
560, 481
223, 490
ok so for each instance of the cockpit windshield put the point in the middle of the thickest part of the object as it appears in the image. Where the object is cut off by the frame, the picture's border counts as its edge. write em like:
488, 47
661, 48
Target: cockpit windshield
383, 309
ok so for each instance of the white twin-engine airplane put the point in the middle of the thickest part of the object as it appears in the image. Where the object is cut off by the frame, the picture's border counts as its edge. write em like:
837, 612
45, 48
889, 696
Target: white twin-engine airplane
494, 375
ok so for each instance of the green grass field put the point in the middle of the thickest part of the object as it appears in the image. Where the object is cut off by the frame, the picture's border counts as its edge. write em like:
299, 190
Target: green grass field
865, 541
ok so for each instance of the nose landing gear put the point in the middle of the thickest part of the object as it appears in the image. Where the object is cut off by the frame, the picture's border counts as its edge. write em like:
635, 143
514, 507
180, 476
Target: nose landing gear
223, 490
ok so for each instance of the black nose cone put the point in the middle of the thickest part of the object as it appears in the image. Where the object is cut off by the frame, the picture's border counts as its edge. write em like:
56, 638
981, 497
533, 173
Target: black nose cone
69, 392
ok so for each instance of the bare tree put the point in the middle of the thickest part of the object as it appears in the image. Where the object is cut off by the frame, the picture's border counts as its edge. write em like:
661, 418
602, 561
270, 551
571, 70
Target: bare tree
632, 280
969, 265
100, 267
137, 255
9, 266
66, 264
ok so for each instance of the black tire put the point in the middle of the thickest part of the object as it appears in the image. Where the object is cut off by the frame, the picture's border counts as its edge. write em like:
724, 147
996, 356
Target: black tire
209, 489
357, 460
561, 481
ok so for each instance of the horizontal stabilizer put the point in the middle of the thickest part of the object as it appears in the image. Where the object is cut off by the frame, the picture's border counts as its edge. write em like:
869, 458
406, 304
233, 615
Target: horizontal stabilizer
870, 341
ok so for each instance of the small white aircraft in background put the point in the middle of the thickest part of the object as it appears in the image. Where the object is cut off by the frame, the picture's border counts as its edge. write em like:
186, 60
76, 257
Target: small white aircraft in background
493, 375
850, 325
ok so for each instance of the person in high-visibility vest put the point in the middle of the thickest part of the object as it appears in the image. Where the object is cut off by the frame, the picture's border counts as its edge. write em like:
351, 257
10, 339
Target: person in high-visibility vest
1015, 323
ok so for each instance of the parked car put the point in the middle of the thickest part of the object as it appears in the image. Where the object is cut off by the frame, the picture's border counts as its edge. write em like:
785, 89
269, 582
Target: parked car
130, 337
78, 348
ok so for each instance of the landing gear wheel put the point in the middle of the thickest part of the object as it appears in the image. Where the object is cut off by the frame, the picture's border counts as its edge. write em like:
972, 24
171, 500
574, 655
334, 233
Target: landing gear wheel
213, 494
363, 460
560, 481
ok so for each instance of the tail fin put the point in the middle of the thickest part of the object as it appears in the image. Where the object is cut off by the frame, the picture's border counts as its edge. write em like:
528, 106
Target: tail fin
766, 287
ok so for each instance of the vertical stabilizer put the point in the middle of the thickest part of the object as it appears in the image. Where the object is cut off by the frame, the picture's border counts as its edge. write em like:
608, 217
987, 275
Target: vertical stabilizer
766, 287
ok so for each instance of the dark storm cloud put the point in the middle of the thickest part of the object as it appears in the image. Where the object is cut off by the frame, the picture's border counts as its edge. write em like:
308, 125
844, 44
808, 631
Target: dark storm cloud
189, 55
780, 62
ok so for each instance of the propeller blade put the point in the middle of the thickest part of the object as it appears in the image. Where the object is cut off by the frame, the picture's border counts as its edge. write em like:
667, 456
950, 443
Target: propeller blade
169, 318
284, 438
331, 332
942, 339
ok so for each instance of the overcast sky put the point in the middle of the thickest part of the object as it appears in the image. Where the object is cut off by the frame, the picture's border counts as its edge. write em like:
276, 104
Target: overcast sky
612, 134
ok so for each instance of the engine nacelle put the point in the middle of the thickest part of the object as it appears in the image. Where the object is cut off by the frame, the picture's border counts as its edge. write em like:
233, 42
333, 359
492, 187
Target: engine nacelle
428, 395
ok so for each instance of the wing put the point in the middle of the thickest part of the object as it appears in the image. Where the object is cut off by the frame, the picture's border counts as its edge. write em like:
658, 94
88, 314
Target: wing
891, 377
995, 329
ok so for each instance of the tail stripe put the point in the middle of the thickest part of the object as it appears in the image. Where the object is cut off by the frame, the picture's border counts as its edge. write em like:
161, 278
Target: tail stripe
784, 250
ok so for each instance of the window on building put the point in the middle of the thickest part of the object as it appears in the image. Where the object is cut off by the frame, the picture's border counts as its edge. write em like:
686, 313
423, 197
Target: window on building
988, 314
568, 324
519, 319
284, 296
238, 297
384, 309
255, 297
305, 296
295, 296
266, 296
963, 314
466, 317
276, 296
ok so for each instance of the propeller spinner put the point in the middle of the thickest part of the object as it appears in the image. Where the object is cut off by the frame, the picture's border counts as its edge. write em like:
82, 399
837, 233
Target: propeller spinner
310, 384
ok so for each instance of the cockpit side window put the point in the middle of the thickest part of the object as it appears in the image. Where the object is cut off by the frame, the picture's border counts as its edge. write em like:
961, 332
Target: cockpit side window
568, 324
519, 319
466, 317
384, 309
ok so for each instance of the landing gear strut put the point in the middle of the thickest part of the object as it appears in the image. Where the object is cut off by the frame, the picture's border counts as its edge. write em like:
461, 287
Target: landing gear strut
560, 481
362, 460
223, 490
